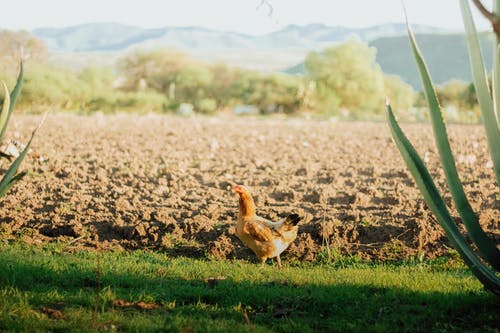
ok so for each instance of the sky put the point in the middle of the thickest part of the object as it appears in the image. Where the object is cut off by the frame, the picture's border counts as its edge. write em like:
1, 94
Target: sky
245, 16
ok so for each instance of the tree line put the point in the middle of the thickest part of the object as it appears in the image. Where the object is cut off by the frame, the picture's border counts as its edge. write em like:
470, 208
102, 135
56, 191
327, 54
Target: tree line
343, 80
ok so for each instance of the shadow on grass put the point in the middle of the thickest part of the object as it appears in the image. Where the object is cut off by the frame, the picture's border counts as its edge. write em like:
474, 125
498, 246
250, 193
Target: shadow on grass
279, 304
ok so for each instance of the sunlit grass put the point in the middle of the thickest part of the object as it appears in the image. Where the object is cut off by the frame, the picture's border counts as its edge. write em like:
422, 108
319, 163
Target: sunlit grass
301, 298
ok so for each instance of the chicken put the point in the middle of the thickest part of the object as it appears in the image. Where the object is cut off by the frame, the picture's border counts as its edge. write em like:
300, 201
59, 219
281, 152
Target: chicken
265, 238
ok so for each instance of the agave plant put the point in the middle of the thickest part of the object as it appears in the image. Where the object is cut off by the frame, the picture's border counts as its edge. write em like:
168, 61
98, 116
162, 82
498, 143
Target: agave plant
489, 101
12, 175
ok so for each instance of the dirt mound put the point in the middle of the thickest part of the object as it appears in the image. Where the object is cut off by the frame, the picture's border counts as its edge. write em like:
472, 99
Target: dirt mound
166, 183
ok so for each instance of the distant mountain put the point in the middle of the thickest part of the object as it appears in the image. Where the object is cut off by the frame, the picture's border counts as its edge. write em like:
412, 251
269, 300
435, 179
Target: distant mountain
94, 37
282, 50
445, 55
321, 35
112, 37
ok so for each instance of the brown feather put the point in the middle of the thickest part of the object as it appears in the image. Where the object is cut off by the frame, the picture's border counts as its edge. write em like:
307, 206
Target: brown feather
260, 232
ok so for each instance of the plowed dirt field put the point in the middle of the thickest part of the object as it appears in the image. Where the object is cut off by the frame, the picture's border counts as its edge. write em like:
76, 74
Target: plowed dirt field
165, 183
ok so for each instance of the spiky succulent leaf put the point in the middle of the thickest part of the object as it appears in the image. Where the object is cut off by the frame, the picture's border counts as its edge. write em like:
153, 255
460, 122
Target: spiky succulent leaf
438, 207
5, 109
486, 246
482, 88
11, 175
14, 180
13, 99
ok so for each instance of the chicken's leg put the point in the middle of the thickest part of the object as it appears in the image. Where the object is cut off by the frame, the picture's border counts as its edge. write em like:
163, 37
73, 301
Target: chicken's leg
278, 259
262, 262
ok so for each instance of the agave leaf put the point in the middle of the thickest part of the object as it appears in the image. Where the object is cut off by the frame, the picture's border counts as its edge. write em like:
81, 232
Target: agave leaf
496, 67
487, 248
436, 204
11, 175
13, 99
5, 109
496, 81
18, 176
13, 181
17, 88
482, 89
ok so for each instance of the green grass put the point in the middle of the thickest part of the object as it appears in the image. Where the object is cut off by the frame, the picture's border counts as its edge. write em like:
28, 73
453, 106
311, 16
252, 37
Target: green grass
302, 298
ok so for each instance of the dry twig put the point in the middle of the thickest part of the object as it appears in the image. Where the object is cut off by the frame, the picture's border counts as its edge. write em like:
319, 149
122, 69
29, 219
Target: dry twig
490, 16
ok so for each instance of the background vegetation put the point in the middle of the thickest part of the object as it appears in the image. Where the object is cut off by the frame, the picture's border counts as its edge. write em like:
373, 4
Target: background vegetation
342, 81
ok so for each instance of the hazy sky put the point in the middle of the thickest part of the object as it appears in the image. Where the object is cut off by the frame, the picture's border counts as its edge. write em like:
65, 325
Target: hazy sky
235, 15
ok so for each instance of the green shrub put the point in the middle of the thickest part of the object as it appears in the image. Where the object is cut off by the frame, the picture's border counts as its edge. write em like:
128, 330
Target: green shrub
116, 101
206, 106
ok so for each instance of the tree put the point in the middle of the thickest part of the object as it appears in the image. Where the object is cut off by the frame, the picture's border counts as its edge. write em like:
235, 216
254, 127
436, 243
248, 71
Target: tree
12, 43
193, 81
157, 69
223, 80
171, 73
347, 77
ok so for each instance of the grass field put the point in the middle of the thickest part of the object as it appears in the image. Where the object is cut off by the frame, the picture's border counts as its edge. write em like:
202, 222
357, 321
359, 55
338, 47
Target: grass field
50, 288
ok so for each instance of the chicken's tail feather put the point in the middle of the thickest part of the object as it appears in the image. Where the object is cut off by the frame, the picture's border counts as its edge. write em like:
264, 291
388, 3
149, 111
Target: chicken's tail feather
293, 219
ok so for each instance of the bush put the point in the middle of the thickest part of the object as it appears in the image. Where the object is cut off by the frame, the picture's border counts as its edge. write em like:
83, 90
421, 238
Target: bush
46, 87
114, 101
206, 106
